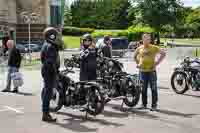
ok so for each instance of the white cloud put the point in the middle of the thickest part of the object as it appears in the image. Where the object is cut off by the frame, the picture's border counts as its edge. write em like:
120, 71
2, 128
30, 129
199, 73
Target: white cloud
193, 3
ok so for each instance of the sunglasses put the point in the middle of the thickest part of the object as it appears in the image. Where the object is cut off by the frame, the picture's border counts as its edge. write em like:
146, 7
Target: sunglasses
89, 40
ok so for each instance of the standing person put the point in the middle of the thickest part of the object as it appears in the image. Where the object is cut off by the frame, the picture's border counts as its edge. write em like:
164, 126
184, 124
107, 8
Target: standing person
50, 67
88, 64
4, 44
107, 47
14, 62
145, 57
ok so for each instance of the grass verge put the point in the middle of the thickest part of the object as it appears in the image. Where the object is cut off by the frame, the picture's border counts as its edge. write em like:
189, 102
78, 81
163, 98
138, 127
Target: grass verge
71, 41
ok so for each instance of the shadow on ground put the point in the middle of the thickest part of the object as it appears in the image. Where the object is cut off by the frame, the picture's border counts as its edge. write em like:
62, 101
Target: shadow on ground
144, 113
25, 94
190, 95
75, 122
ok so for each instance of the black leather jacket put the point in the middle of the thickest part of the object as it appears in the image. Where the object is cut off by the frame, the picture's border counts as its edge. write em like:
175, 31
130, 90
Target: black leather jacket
50, 59
14, 59
88, 64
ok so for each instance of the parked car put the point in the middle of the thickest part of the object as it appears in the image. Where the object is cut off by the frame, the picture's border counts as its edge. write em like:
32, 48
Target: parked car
21, 48
119, 46
34, 47
133, 46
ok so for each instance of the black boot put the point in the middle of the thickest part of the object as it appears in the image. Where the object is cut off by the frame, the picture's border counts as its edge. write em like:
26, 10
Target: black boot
15, 90
48, 118
6, 90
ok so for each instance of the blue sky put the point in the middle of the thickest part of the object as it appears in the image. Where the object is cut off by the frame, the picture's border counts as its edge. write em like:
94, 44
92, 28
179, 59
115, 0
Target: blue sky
193, 3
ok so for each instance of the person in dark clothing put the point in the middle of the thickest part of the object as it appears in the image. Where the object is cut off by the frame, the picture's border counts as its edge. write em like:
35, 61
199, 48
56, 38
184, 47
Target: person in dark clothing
107, 48
14, 61
88, 64
4, 42
50, 68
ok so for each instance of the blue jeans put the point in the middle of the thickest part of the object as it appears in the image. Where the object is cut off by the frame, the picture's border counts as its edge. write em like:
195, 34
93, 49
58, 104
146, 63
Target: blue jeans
149, 78
10, 71
50, 82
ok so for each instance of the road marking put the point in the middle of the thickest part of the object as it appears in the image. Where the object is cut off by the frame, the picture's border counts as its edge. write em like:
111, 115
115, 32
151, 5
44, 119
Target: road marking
17, 110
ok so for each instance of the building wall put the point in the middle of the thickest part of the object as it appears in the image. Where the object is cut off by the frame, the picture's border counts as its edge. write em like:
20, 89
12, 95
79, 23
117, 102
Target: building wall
13, 17
3, 17
38, 10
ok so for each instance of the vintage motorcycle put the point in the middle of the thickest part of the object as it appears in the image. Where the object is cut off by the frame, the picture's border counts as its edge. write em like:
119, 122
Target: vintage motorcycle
117, 84
85, 96
121, 85
186, 76
72, 62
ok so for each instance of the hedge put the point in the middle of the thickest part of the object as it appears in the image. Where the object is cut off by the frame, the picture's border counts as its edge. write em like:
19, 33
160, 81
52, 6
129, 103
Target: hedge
132, 33
135, 32
75, 31
114, 33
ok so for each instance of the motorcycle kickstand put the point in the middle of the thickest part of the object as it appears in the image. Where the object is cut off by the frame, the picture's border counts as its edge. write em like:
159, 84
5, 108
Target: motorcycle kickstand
86, 114
122, 108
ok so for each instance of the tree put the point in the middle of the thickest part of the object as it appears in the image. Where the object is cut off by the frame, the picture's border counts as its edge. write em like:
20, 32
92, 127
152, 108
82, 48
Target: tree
157, 13
100, 14
67, 16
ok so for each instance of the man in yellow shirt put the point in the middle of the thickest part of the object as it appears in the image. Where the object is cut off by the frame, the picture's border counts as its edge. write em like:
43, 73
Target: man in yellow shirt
145, 57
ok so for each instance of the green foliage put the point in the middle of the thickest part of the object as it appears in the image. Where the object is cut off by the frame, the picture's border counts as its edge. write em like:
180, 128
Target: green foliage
67, 16
157, 13
113, 33
135, 32
141, 28
100, 14
71, 41
76, 31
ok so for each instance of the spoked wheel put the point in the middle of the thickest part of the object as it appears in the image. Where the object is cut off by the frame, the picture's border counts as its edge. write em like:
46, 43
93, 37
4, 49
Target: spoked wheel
68, 64
179, 82
56, 101
132, 96
95, 101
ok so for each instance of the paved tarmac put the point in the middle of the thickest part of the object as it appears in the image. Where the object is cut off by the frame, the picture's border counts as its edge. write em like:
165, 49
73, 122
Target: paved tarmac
21, 113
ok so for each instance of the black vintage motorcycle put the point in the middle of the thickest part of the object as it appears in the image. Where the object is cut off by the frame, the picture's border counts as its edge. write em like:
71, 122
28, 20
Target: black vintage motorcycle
85, 96
116, 83
121, 85
186, 76
72, 62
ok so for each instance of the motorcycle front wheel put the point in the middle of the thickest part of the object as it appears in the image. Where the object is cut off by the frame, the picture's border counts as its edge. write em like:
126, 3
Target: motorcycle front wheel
56, 101
179, 82
95, 101
132, 96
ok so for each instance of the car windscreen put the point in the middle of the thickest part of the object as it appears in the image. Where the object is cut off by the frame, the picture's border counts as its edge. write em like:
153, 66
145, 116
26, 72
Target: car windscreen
119, 43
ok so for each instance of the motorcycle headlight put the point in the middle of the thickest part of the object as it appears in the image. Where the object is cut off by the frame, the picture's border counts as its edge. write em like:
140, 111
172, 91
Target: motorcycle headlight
110, 63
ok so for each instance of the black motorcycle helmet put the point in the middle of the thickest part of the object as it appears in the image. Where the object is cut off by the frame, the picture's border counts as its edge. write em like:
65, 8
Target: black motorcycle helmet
50, 35
87, 37
106, 38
